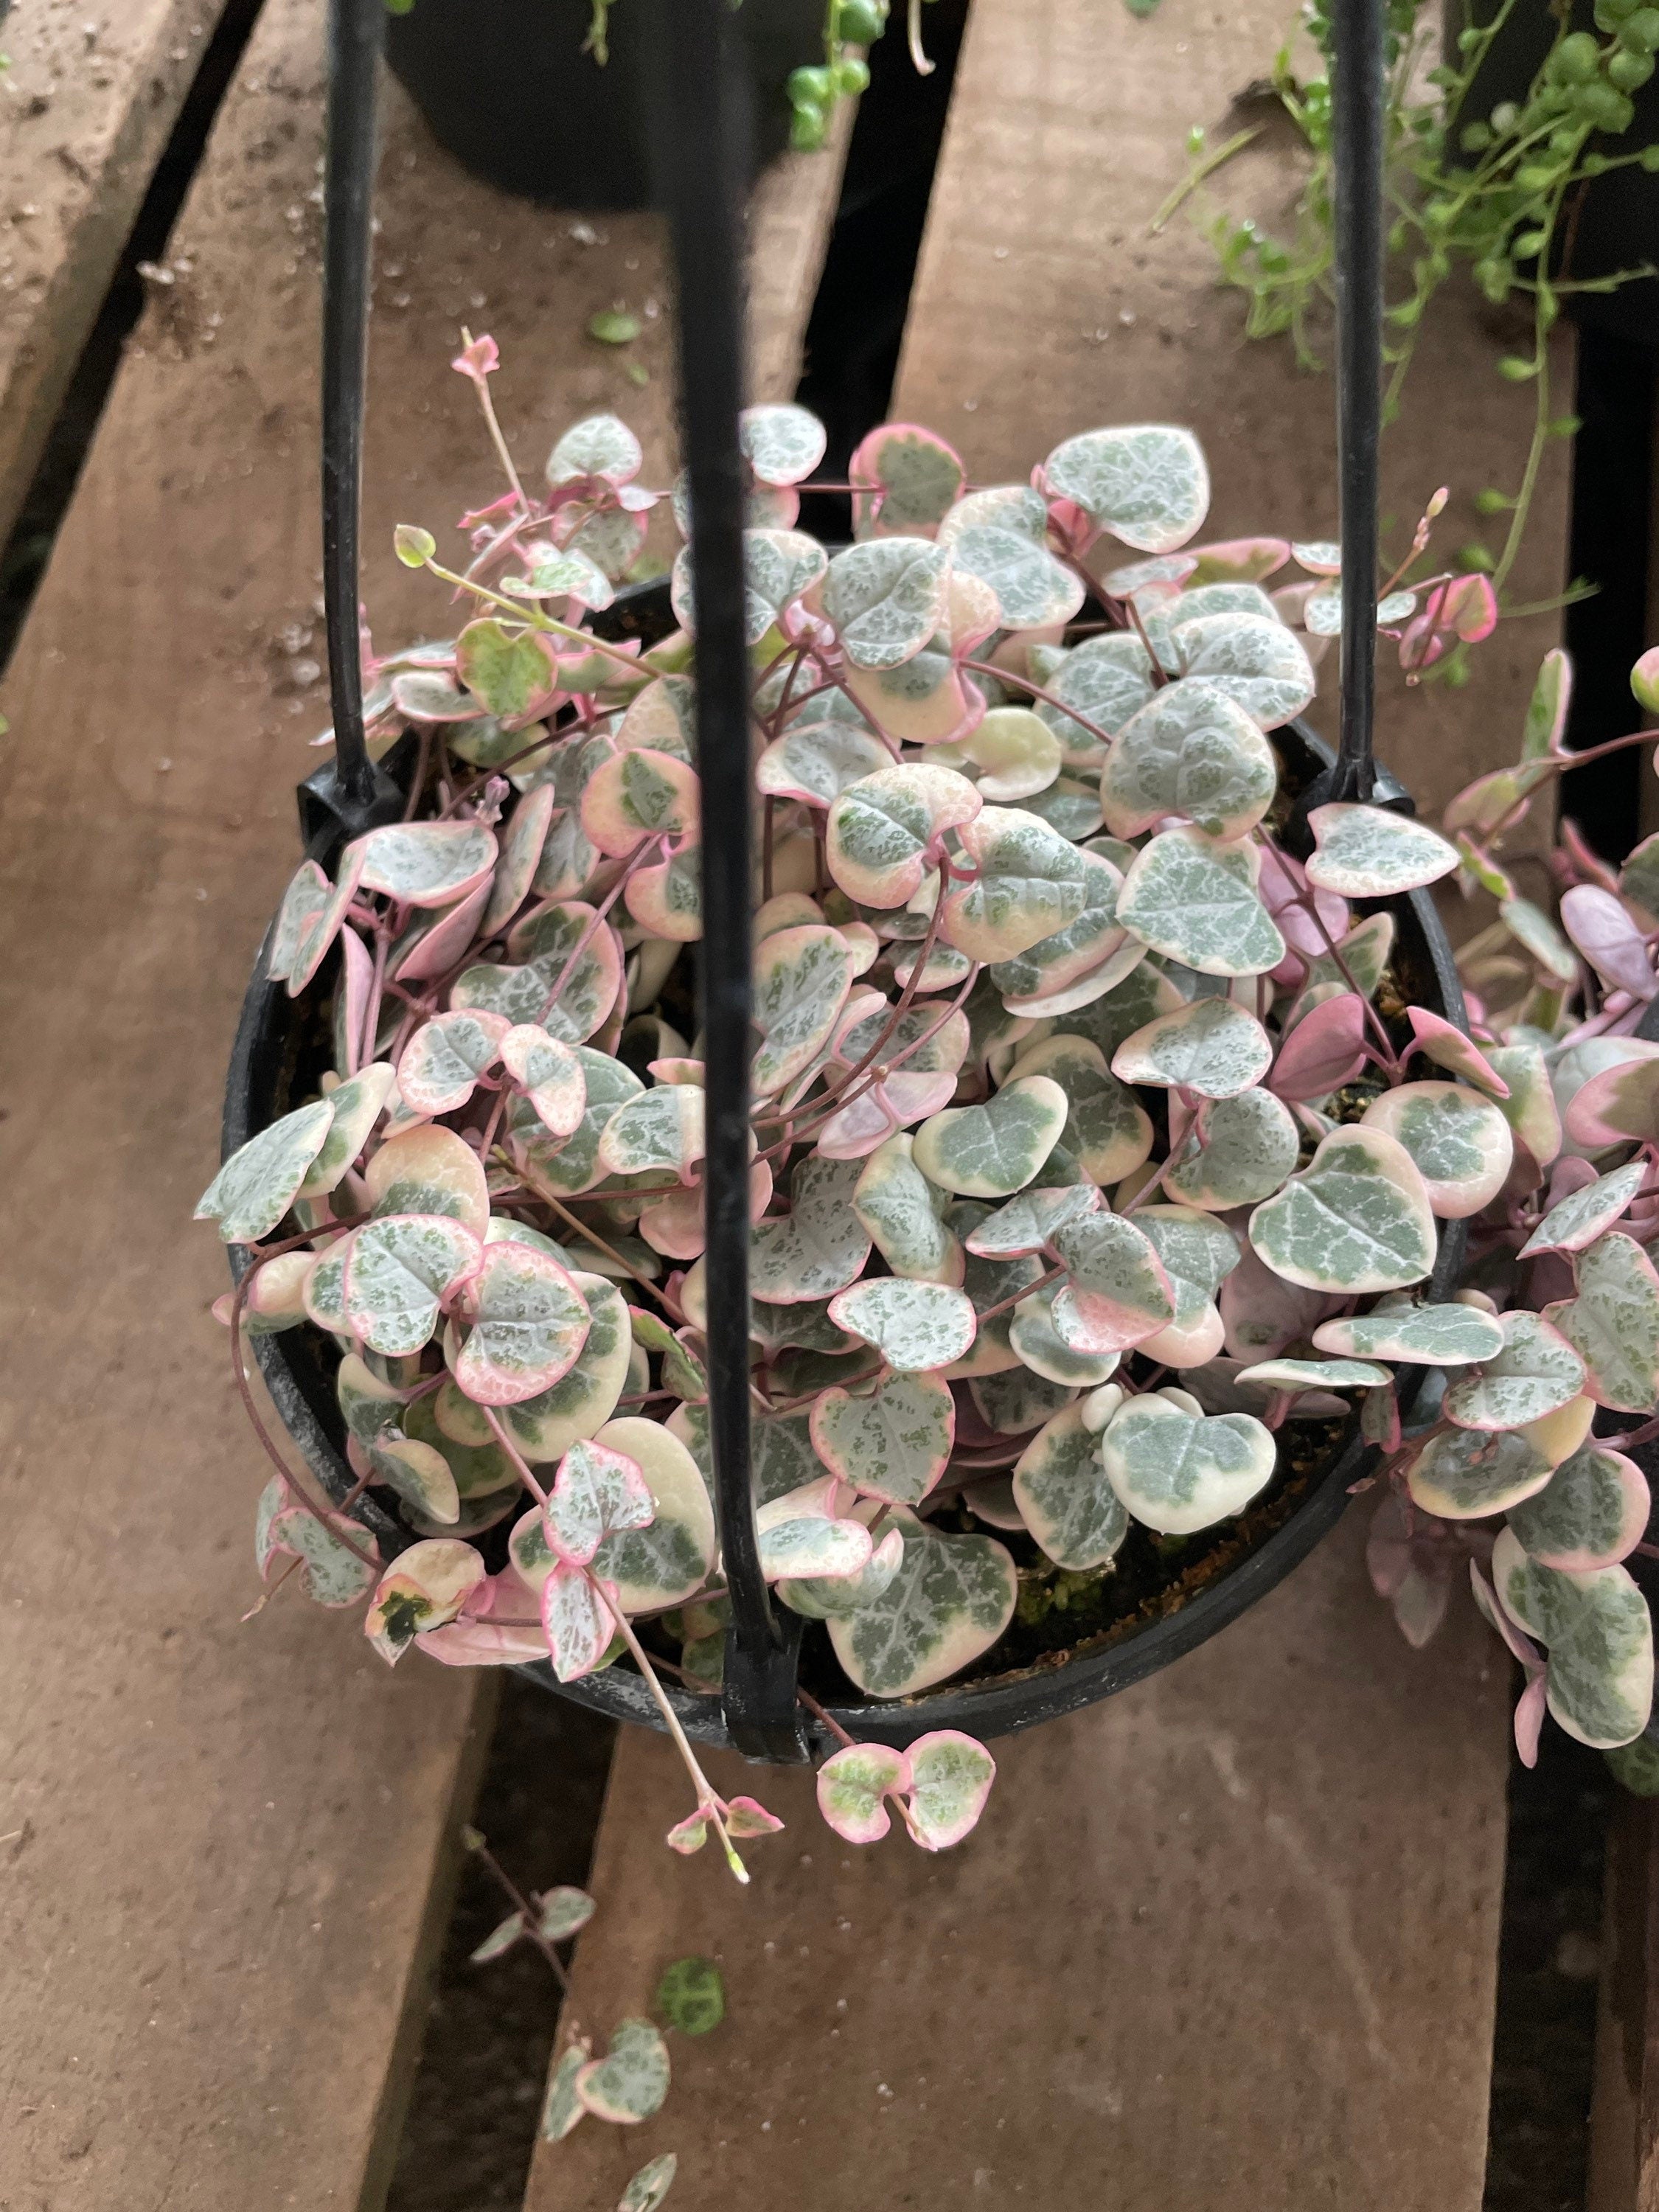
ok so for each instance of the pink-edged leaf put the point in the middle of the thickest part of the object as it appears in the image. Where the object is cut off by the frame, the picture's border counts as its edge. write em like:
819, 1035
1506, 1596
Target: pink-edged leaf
852, 1786
1529, 1710
444, 1058
424, 1587
1645, 680
1326, 1049
1447, 1047
950, 1778
529, 1324
638, 794
914, 479
578, 1622
597, 1492
1486, 1598
351, 993
1601, 928
690, 1834
521, 853
1583, 1214
433, 951
550, 1074
1616, 1105
399, 1270
745, 1817
428, 863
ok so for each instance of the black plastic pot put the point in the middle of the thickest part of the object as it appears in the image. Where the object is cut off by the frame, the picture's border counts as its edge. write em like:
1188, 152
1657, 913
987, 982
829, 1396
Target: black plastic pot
270, 1067
1617, 223
507, 88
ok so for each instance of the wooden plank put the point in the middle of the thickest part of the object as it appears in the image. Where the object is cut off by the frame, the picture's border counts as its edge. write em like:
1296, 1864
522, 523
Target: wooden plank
1214, 1937
85, 109
222, 1844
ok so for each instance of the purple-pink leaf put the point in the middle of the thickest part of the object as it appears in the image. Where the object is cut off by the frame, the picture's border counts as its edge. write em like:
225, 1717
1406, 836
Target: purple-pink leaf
1326, 1049
597, 1492
1603, 929
1446, 1045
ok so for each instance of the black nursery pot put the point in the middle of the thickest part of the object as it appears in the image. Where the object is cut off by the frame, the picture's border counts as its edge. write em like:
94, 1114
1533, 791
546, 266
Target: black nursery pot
280, 1048
1617, 225
508, 89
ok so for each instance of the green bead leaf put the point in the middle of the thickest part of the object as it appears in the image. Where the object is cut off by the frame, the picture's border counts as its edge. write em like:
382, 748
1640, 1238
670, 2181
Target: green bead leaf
1366, 852
1147, 485
1613, 1324
1177, 1472
1356, 1220
399, 1272
1592, 1512
820, 1246
885, 598
1195, 900
950, 1778
951, 1600
1191, 750
262, 1178
630, 2082
1460, 1143
994, 1150
1213, 1048
917, 1327
882, 829
1584, 1215
1063, 1497
1424, 1336
890, 1439
1596, 1629
1241, 1151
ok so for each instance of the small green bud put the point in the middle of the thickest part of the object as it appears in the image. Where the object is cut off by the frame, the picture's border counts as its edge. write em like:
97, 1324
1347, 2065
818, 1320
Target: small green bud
1630, 72
1645, 680
852, 76
1516, 370
398, 7
1606, 108
1649, 159
613, 326
1577, 59
1530, 244
414, 546
1491, 501
1640, 34
860, 23
809, 126
1610, 14
806, 86
1476, 137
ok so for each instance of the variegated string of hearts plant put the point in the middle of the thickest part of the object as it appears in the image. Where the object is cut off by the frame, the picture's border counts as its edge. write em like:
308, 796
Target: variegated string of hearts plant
1091, 1127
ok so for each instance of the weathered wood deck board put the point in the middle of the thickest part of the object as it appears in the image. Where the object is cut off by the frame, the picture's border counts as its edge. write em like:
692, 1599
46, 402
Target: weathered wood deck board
85, 109
221, 1841
1231, 1937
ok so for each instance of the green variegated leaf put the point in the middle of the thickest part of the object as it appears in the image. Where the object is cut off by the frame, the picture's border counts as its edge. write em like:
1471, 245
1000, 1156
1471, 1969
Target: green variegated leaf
994, 1150
1213, 1048
801, 1540
1536, 1373
639, 794
1063, 1497
1584, 1215
1044, 1353
1356, 1220
1315, 1375
303, 903
570, 572
664, 1564
568, 1165
1034, 590
1197, 1254
802, 977
1597, 1631
950, 1778
356, 1106
1195, 900
480, 1469
886, 598
836, 1598
1240, 1150
660, 1130
443, 1061
578, 1619
902, 1212
890, 1439
1464, 1475
917, 1327
550, 1074
558, 947
815, 762
1366, 852
1030, 882
1118, 1294
399, 1272
424, 1587
1176, 1471
597, 445
851, 1784
950, 1601
1424, 1336
913, 478
561, 2107
782, 443
1027, 1222
599, 1493
511, 673
429, 1171
261, 1180
1592, 1512
1018, 1401
1259, 665
332, 1572
529, 1324
1108, 1133
1017, 753
422, 1476
427, 863
820, 1245
630, 2083
1613, 1323
881, 829
1459, 1142
1147, 484
1094, 688
1190, 750
1081, 948
275, 1297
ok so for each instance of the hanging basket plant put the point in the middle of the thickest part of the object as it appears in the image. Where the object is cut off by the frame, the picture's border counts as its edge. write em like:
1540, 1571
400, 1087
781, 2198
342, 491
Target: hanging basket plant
1109, 1159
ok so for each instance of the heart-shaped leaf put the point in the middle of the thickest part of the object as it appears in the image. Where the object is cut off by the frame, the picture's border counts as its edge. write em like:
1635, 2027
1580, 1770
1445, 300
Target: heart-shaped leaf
1465, 1474
1613, 1324
630, 2082
1028, 1222
1460, 1143
334, 1553
1020, 1400
853, 1785
664, 1564
1616, 1104
802, 977
1425, 1336
543, 1427
1366, 852
820, 1246
529, 1324
1598, 1635
1213, 1048
912, 478
1197, 1254
1108, 1133
1017, 753
1064, 1496
1530, 1107
399, 1272
423, 1587
577, 1618
885, 598
1325, 1050
1240, 1150
1146, 485
1195, 900
550, 1074
1084, 949
427, 863
782, 443
903, 1211
512, 673
564, 949
656, 1131
1259, 665
1584, 1215
636, 795
443, 1061
262, 1178
1609, 938
1041, 1350
802, 1540
1357, 1218
598, 446
1118, 1294
1177, 1472
950, 1778
1592, 1512
1190, 750
882, 829
816, 761
950, 1601
890, 1439
598, 1492
917, 1327
1034, 591
356, 1106
836, 1598
565, 1166
994, 1150
1030, 882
